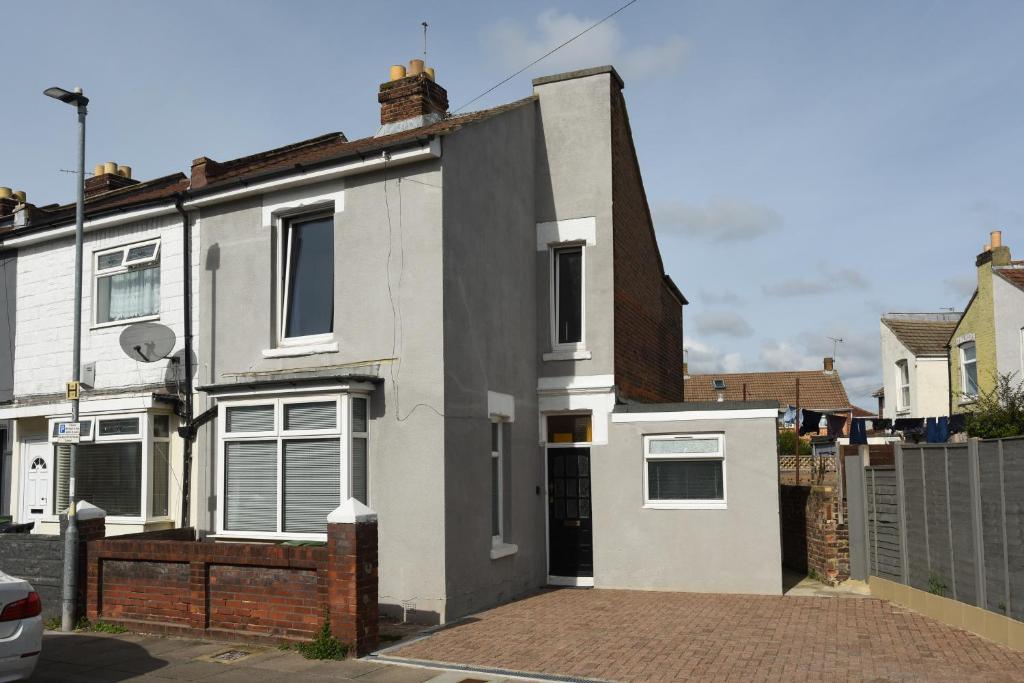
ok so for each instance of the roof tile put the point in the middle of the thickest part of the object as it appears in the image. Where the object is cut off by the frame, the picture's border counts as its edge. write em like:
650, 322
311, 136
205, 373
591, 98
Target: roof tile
923, 337
819, 390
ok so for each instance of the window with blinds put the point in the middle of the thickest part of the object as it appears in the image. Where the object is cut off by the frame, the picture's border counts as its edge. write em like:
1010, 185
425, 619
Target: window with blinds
684, 471
109, 475
285, 467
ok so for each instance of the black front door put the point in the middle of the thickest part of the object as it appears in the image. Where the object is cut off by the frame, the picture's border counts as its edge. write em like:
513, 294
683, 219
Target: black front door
569, 512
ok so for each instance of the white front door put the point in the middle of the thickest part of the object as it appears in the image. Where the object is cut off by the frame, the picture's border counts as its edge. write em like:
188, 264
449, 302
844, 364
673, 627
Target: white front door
37, 465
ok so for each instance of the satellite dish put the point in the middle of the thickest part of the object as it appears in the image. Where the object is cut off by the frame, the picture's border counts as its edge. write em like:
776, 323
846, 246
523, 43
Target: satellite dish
147, 342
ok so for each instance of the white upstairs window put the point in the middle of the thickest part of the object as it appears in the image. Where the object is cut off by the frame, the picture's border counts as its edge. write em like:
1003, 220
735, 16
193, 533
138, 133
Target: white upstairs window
567, 307
903, 385
307, 285
127, 283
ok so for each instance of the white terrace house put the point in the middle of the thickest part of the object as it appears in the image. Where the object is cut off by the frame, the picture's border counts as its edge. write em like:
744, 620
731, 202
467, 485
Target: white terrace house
130, 458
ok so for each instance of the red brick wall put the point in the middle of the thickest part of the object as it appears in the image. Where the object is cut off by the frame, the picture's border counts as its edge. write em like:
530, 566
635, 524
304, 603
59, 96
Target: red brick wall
283, 602
146, 590
240, 590
648, 317
813, 540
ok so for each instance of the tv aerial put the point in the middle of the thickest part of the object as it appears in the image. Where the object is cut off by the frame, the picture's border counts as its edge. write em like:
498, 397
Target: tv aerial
147, 342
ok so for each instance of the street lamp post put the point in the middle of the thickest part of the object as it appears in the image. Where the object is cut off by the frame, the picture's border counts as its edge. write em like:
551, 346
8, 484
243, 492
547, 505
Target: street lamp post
70, 583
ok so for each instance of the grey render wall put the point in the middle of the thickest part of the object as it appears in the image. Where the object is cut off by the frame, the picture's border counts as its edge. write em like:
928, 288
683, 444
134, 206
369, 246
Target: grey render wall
490, 345
1008, 301
574, 180
736, 550
8, 303
406, 445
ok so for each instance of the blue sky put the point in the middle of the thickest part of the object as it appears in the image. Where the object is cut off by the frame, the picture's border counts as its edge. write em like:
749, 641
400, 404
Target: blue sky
810, 165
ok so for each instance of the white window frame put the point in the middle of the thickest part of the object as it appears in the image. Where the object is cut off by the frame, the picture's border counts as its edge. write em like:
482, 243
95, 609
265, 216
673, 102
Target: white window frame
353, 434
967, 397
284, 219
902, 368
553, 250
498, 455
343, 433
171, 430
124, 267
145, 437
710, 504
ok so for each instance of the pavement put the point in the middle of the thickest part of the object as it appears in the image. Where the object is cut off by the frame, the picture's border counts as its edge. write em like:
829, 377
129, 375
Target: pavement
616, 635
72, 657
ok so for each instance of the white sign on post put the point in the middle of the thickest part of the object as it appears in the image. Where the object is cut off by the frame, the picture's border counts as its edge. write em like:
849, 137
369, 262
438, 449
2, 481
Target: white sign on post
68, 432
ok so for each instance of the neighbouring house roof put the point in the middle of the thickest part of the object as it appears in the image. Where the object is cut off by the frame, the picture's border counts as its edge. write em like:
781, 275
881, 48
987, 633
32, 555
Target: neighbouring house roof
879, 392
864, 412
924, 334
819, 390
1013, 274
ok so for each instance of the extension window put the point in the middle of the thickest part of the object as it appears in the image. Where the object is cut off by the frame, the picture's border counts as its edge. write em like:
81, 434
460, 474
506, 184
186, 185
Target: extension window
684, 471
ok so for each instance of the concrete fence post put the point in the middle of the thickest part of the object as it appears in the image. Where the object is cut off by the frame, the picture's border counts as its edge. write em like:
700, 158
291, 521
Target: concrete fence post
854, 468
977, 533
352, 575
92, 526
901, 513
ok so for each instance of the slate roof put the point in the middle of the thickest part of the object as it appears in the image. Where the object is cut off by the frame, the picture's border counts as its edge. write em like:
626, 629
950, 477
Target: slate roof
922, 336
1015, 276
819, 390
334, 145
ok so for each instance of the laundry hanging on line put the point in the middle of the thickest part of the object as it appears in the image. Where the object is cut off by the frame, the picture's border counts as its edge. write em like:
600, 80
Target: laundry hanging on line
858, 431
810, 421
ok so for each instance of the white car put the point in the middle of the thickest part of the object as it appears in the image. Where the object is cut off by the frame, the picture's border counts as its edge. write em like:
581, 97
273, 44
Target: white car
21, 628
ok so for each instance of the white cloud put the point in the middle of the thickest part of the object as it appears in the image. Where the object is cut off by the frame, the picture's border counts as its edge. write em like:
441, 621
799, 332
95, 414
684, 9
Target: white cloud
721, 220
825, 282
512, 45
725, 323
705, 358
725, 296
961, 286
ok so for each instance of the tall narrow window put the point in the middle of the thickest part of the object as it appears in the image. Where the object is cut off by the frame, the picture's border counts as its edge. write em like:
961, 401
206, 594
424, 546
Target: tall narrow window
496, 497
903, 384
969, 369
308, 277
568, 295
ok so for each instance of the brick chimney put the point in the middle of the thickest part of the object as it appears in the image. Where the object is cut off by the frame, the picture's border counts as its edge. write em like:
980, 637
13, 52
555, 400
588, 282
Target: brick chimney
411, 99
9, 199
107, 177
829, 364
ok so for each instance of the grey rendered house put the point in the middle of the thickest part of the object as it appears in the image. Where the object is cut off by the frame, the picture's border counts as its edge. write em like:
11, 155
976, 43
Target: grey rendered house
451, 318
462, 321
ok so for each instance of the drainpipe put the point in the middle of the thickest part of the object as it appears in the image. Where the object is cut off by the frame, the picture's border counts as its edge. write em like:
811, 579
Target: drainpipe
949, 375
186, 479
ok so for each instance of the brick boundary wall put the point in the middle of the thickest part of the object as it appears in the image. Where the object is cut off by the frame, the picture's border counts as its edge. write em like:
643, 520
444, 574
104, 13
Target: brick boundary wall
238, 591
813, 540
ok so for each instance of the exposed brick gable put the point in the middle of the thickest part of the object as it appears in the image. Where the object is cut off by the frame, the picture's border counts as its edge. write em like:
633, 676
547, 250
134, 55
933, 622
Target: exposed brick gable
648, 314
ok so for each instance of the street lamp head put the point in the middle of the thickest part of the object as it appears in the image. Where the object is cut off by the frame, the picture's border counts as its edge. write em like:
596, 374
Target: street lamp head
68, 97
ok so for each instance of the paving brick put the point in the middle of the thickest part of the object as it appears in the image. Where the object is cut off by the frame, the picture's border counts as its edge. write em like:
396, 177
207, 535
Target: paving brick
653, 636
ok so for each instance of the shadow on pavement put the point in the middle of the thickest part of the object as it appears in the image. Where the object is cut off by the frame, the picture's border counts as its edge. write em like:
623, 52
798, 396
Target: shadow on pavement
84, 656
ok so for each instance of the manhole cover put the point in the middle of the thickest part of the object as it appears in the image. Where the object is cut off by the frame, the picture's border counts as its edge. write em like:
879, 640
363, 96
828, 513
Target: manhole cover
230, 656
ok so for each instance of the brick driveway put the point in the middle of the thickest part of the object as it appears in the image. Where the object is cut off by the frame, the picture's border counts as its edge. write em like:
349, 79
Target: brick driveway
647, 636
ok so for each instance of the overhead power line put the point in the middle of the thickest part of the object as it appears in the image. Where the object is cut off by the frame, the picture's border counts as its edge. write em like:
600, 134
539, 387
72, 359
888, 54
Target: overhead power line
542, 57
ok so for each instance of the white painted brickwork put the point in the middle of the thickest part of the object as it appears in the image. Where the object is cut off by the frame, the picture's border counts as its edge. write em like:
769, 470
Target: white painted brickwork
42, 362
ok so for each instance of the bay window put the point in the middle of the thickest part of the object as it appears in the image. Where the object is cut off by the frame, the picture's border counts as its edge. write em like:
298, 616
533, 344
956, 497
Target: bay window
123, 465
287, 463
127, 283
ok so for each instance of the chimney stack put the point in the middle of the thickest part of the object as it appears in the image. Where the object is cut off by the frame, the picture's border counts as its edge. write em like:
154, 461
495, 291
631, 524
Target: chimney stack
829, 364
411, 99
108, 176
995, 252
7, 201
